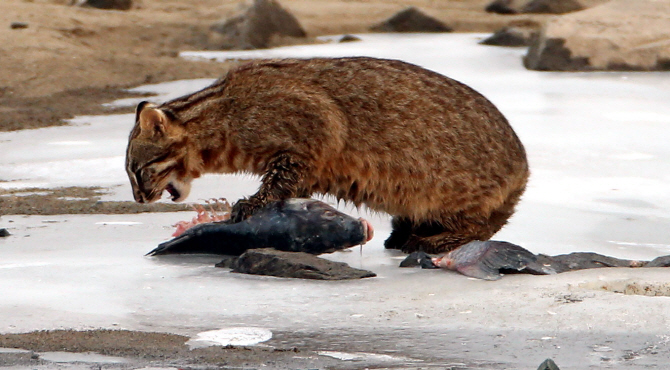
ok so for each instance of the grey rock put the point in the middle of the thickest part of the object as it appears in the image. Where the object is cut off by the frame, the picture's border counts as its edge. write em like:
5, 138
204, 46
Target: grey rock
552, 55
548, 364
511, 36
411, 20
4, 233
271, 262
255, 28
106, 4
619, 35
501, 7
552, 6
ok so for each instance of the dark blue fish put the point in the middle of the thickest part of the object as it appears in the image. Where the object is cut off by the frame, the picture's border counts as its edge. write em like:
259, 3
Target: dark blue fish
292, 225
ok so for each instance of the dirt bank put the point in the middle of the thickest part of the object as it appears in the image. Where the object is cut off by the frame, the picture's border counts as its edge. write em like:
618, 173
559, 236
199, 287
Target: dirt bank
133, 349
74, 200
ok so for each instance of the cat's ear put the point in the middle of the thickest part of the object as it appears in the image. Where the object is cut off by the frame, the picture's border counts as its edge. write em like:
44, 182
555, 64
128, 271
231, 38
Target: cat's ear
152, 120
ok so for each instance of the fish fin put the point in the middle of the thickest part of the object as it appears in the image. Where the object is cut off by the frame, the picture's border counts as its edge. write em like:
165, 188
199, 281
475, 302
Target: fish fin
163, 248
479, 271
420, 259
176, 245
663, 261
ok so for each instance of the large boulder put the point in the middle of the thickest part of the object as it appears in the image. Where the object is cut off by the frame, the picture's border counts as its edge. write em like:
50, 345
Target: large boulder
619, 35
256, 27
411, 20
105, 4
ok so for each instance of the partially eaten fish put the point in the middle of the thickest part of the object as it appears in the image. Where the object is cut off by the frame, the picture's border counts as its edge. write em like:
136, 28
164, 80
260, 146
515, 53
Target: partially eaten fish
490, 259
293, 225
486, 259
219, 210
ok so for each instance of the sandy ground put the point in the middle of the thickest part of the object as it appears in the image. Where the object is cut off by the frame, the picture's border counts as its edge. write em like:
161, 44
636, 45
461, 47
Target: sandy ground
70, 60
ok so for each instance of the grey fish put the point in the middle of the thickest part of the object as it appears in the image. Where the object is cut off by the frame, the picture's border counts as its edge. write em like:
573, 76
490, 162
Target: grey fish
489, 259
292, 225
486, 259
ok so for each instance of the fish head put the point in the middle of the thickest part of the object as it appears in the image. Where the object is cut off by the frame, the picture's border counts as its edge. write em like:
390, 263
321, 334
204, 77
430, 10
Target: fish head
326, 228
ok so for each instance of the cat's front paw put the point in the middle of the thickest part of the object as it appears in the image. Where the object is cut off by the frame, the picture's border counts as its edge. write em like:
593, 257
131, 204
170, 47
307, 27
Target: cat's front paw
243, 209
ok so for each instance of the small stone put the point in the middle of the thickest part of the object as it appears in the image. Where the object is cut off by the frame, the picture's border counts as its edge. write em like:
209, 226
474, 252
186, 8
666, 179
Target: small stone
106, 4
548, 364
4, 233
18, 25
349, 38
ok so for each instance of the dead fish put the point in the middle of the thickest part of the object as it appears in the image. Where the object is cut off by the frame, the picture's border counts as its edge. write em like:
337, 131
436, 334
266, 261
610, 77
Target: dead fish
486, 259
489, 259
483, 260
219, 210
292, 225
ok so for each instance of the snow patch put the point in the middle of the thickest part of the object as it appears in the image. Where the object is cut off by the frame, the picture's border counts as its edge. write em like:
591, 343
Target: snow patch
242, 336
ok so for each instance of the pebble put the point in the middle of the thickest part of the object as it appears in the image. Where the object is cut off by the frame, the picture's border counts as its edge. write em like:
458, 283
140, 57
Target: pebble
18, 25
548, 364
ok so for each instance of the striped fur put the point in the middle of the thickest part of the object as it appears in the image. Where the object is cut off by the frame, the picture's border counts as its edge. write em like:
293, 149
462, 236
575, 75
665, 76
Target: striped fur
430, 151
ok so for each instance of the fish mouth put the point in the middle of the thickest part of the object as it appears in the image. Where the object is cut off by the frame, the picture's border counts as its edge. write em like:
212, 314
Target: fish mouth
368, 231
174, 192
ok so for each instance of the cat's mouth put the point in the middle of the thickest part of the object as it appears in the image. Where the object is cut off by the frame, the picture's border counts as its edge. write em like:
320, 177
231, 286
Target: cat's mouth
174, 192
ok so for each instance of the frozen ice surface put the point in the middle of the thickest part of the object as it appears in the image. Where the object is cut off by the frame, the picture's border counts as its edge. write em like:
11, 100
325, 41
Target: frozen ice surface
600, 160
67, 357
